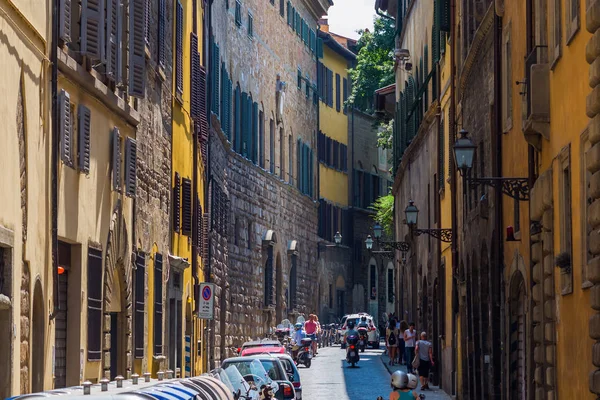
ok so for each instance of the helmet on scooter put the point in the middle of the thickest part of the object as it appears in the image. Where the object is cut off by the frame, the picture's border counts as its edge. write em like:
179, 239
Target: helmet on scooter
363, 319
413, 381
298, 326
350, 324
399, 380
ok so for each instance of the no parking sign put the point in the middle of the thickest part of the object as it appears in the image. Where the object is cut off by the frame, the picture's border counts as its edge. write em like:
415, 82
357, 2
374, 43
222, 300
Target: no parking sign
207, 301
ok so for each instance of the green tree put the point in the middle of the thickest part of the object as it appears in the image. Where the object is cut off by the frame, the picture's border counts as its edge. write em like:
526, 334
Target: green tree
374, 63
384, 213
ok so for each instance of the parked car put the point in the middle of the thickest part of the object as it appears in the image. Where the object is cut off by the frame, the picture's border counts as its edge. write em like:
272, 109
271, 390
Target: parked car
292, 372
274, 370
251, 351
373, 334
259, 343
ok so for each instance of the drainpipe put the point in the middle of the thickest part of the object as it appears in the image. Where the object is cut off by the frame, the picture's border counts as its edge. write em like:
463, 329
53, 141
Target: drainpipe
54, 157
452, 173
497, 274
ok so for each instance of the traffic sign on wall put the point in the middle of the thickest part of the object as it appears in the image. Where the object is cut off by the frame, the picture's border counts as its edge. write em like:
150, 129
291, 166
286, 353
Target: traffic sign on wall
206, 308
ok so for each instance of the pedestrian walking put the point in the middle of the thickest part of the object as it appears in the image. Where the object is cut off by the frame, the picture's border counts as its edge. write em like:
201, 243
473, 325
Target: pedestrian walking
391, 340
425, 351
401, 344
410, 336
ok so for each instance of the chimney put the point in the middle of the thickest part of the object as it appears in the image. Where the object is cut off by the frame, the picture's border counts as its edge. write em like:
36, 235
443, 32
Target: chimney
324, 24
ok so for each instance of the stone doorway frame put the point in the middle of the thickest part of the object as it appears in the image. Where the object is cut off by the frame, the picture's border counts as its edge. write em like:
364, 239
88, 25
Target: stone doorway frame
117, 274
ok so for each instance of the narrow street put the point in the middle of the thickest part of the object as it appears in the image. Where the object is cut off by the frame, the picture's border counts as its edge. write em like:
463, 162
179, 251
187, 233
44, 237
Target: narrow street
329, 376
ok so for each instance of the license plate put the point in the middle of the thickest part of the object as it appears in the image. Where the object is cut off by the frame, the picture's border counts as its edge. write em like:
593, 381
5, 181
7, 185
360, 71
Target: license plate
352, 354
362, 342
310, 356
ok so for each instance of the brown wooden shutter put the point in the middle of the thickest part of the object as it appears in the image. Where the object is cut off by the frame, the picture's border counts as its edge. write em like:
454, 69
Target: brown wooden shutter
92, 29
94, 305
130, 167
176, 202
116, 160
84, 126
137, 48
186, 207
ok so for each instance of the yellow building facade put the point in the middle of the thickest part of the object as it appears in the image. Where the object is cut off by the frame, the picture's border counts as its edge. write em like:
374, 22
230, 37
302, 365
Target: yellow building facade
25, 279
189, 126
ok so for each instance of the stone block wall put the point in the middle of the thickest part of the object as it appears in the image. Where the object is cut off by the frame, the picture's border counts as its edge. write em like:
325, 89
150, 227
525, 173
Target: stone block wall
153, 136
593, 112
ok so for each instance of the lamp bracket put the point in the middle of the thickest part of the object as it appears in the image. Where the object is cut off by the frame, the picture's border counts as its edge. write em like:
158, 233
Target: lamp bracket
389, 246
445, 235
517, 188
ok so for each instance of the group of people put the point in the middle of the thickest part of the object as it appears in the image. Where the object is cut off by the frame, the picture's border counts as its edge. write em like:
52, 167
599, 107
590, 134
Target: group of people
310, 329
403, 346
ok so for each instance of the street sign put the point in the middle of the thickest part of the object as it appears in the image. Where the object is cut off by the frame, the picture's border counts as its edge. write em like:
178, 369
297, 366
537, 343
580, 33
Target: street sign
206, 306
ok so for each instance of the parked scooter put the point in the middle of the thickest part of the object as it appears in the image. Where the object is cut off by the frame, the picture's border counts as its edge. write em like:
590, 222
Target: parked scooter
421, 396
352, 356
363, 337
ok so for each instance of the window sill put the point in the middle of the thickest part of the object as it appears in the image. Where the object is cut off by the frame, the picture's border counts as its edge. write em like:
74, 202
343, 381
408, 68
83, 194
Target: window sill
586, 285
555, 61
571, 36
179, 97
79, 75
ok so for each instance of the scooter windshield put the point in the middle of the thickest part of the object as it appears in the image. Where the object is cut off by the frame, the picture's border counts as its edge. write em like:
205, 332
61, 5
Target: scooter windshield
259, 371
233, 379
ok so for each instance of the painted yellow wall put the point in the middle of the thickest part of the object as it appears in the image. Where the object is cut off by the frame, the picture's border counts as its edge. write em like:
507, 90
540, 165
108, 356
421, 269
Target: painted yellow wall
334, 184
182, 163
22, 61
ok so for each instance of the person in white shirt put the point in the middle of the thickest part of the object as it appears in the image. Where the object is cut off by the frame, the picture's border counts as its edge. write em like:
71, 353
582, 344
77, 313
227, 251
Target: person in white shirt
410, 336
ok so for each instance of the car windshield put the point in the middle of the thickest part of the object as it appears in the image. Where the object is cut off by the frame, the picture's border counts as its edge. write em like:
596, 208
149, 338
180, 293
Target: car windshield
232, 378
262, 368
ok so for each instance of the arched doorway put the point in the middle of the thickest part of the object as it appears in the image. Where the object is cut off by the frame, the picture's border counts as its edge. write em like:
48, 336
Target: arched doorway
38, 333
279, 301
117, 298
517, 356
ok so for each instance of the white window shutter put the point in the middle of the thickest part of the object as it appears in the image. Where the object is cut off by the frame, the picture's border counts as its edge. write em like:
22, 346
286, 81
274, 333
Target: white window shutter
130, 167
65, 21
116, 159
66, 129
92, 28
84, 128
113, 16
137, 48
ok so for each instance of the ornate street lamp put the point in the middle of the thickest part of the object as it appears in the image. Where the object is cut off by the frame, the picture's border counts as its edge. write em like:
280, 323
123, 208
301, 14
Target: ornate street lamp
464, 154
412, 216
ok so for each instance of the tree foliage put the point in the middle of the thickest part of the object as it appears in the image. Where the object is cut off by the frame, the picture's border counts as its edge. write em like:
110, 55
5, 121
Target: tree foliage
384, 213
374, 63
385, 134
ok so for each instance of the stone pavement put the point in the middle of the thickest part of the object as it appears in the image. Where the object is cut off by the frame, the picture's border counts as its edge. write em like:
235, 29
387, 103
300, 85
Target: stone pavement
434, 392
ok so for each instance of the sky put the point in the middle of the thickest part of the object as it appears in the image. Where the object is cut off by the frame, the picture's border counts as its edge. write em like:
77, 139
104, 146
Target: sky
348, 16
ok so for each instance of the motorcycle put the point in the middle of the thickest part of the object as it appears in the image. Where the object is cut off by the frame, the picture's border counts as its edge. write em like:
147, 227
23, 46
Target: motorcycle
421, 396
283, 331
363, 338
304, 353
352, 356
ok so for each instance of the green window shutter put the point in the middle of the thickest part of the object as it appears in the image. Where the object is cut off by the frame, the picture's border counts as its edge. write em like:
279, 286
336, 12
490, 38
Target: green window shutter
238, 121
426, 72
445, 12
399, 17
441, 166
312, 172
305, 167
319, 48
289, 13
255, 142
299, 79
249, 133
435, 33
299, 164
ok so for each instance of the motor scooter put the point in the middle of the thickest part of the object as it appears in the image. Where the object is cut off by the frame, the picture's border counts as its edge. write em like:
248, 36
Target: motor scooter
352, 356
304, 354
363, 338
421, 396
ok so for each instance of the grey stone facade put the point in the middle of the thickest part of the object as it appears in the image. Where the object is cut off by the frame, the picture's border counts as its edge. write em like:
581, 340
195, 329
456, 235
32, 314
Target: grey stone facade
153, 136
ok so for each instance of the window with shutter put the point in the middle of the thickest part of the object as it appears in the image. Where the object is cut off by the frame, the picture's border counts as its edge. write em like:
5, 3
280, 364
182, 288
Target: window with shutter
237, 145
64, 30
282, 8
299, 79
130, 167
83, 129
195, 98
312, 40
203, 121
336, 155
146, 22
139, 304
238, 13
113, 40
272, 146
158, 304
289, 13
261, 139
162, 12
92, 29
199, 226
269, 278
255, 139
116, 159
445, 13
329, 150
186, 207
345, 94
94, 305
66, 128
329, 88
319, 48
225, 102
179, 48
299, 164
311, 173
137, 48
176, 202
244, 124
216, 63
298, 23
250, 27
249, 124
307, 87
338, 102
